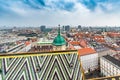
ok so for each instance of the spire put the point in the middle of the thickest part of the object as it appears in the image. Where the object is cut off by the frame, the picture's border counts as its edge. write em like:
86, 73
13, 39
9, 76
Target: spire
59, 40
59, 30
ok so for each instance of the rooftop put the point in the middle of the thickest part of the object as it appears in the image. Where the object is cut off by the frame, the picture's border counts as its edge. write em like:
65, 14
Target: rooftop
112, 59
36, 53
113, 34
107, 78
86, 51
44, 41
81, 43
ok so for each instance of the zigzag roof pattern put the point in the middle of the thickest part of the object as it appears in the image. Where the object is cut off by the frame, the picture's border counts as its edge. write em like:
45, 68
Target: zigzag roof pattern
60, 65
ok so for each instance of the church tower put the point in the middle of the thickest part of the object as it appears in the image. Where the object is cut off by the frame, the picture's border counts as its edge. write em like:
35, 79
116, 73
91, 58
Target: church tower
59, 43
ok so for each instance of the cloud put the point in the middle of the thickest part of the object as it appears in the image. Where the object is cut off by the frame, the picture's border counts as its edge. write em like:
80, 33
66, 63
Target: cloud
63, 5
23, 6
104, 5
35, 4
67, 5
53, 12
90, 4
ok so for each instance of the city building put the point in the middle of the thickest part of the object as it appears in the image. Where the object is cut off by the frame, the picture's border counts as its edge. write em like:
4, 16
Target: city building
45, 44
110, 65
15, 48
79, 28
88, 56
22, 47
26, 48
89, 59
102, 50
43, 28
63, 28
117, 77
67, 28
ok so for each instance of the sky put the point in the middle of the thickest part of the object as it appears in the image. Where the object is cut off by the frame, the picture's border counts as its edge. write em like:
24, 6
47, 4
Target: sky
64, 12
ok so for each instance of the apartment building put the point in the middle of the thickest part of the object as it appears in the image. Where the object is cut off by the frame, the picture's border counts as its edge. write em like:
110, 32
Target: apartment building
110, 65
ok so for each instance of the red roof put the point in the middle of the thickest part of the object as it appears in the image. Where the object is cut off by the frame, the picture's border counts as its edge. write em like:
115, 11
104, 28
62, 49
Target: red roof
113, 34
27, 43
71, 47
98, 36
83, 43
74, 42
86, 51
77, 34
101, 40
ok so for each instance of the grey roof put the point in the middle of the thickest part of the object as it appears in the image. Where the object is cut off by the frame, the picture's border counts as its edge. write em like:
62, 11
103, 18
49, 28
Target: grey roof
117, 48
112, 59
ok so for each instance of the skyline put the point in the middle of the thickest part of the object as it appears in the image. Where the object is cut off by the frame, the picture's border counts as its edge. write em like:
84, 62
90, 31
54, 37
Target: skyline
64, 12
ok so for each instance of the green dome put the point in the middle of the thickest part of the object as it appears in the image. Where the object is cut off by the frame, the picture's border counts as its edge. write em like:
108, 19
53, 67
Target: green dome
59, 40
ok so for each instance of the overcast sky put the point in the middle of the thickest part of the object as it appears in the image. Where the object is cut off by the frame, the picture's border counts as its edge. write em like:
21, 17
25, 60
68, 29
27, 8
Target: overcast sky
54, 12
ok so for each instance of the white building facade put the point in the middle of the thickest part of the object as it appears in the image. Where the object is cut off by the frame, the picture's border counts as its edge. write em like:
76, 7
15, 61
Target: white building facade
109, 66
89, 62
26, 48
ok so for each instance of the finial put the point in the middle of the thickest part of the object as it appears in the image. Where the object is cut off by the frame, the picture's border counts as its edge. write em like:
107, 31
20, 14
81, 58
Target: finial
59, 30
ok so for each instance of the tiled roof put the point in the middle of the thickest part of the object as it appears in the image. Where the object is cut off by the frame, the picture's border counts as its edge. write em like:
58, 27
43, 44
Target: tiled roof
98, 36
78, 34
81, 43
86, 51
100, 40
113, 34
27, 42
75, 42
